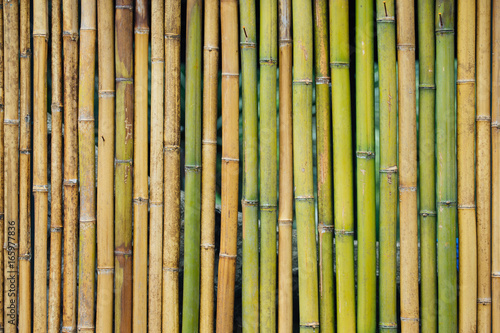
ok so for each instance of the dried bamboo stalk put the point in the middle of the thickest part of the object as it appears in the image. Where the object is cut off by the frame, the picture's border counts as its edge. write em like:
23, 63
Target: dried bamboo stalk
2, 168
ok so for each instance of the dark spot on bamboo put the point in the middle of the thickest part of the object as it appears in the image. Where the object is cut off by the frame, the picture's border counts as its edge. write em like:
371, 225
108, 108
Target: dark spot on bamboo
385, 8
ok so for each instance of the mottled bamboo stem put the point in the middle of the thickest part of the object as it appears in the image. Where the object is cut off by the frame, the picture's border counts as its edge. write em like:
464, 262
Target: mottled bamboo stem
2, 167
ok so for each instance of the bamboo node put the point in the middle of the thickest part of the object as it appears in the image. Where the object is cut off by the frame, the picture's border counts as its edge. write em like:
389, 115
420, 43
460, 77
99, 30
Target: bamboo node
56, 229
285, 222
268, 207
483, 118
25, 257
247, 45
388, 325
67, 329
172, 36
322, 80
410, 319
170, 269
392, 169
56, 108
171, 148
466, 81
11, 122
495, 124
140, 201
207, 246
156, 204
106, 94
129, 161
312, 325
406, 47
40, 188
447, 203
427, 86
303, 81
72, 35
86, 328
344, 232
230, 74
227, 255
10, 246
90, 220
26, 54
129, 7
386, 19
495, 274
211, 48
229, 159
157, 60
339, 64
365, 154
249, 203
124, 79
141, 31
209, 142
426, 213
285, 41
444, 31
83, 119
105, 270
407, 188
466, 207
484, 301
304, 197
123, 253
25, 151
268, 61
192, 168
326, 228
70, 182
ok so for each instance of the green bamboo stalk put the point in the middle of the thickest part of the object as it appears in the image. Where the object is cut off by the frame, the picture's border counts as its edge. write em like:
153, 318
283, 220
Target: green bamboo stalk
191, 286
386, 49
302, 164
268, 53
250, 192
446, 191
365, 167
427, 183
324, 165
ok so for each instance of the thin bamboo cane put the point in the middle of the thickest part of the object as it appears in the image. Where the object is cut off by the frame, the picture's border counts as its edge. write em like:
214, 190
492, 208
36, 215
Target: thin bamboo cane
365, 167
25, 310
2, 168
191, 283
86, 138
483, 164
342, 165
302, 164
124, 145
171, 173
70, 182
156, 166
40, 181
209, 163
324, 165
54, 316
285, 213
426, 142
446, 166
386, 50
466, 102
11, 158
105, 167
230, 165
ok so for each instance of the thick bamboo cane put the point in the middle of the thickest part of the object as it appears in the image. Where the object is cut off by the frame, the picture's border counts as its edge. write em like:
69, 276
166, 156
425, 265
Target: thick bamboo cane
11, 158
466, 102
2, 166
324, 165
124, 145
209, 164
56, 173
230, 163
156, 167
105, 167
446, 166
285, 213
25, 170
427, 183
86, 141
302, 164
171, 172
40, 161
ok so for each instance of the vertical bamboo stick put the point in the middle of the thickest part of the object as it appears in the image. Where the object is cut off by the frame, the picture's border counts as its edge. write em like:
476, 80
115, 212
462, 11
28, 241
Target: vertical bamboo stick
209, 163
25, 171
171, 172
324, 165
285, 213
124, 145
56, 147
86, 138
11, 158
40, 181
302, 164
426, 142
156, 167
386, 50
105, 168
446, 166
230, 163
2, 167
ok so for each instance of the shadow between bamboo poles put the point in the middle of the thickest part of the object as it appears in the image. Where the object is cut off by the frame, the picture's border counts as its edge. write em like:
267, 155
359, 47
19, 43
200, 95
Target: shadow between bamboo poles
2, 166
209, 163
105, 167
285, 213
230, 164
124, 153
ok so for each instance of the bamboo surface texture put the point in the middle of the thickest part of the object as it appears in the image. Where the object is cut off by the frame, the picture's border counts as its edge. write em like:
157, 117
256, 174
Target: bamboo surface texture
2, 167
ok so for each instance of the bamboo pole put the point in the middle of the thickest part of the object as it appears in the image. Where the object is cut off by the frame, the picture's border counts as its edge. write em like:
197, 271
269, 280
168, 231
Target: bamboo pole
230, 164
11, 158
427, 183
302, 164
209, 164
25, 311
56, 174
446, 166
324, 165
285, 213
140, 195
105, 167
40, 181
156, 167
365, 167
171, 172
466, 102
386, 50
2, 167
124, 145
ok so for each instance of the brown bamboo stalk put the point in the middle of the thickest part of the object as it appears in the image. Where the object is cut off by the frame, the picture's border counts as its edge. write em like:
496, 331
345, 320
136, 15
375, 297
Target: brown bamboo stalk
2, 161
156, 166
230, 155
70, 183
209, 163
40, 181
105, 167
11, 158
56, 146
171, 167
25, 171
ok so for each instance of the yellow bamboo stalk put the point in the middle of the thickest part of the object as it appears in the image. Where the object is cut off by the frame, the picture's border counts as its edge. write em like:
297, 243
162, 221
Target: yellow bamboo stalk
2, 161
